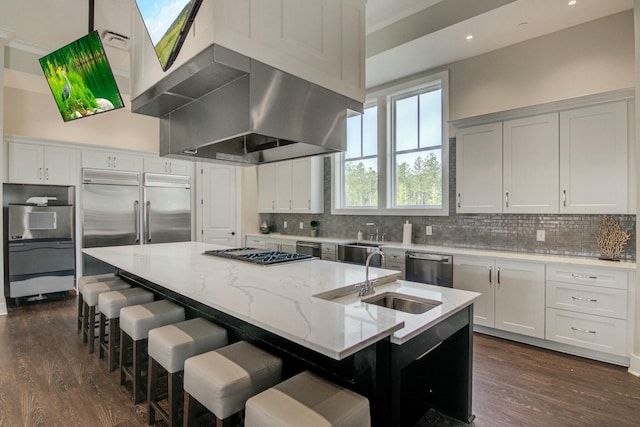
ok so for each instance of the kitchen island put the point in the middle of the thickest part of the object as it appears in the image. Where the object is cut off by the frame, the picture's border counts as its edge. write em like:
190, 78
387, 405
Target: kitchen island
302, 311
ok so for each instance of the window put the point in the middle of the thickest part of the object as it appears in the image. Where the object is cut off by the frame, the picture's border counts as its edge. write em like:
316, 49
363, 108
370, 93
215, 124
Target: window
396, 161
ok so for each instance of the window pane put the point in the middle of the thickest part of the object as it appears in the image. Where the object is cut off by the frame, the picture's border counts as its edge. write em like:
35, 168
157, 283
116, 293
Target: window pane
370, 132
361, 183
419, 178
406, 121
354, 137
431, 119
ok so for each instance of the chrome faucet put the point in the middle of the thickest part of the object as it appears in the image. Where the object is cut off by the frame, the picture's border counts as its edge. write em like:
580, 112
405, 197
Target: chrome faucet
366, 288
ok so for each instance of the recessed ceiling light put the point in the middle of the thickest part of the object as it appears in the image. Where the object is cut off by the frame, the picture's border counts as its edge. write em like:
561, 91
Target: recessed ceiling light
572, 2
469, 36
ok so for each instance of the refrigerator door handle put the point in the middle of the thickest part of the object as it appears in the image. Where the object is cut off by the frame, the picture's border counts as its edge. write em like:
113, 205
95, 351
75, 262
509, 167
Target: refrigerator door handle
136, 209
148, 221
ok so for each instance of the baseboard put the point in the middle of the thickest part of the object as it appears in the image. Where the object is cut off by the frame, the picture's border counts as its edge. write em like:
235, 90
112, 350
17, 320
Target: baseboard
634, 364
3, 308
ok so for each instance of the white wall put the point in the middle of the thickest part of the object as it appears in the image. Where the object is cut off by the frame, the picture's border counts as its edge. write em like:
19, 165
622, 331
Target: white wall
30, 110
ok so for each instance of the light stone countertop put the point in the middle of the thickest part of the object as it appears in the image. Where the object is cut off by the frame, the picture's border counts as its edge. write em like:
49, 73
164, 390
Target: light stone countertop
278, 298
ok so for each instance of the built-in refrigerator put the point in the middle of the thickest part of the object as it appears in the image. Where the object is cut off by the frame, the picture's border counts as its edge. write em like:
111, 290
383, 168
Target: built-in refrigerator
127, 208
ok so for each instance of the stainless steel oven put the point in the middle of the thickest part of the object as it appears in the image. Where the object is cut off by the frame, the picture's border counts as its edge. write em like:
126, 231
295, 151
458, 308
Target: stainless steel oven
430, 268
309, 248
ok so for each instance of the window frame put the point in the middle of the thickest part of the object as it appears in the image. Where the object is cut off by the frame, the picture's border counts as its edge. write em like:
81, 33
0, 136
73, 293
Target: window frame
386, 153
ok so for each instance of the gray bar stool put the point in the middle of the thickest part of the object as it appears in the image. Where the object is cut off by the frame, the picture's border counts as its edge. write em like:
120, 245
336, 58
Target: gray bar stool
169, 347
85, 280
223, 380
90, 293
109, 305
135, 323
310, 401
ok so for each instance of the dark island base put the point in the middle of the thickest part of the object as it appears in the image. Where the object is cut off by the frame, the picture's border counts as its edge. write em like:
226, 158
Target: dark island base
402, 383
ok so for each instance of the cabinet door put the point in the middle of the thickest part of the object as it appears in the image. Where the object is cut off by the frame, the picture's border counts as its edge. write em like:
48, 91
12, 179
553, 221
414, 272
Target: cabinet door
266, 187
283, 182
168, 166
60, 166
531, 165
593, 159
307, 186
111, 160
477, 275
520, 298
26, 163
479, 169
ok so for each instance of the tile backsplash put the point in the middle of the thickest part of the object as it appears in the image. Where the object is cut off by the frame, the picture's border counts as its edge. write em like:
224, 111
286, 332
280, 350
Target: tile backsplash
573, 235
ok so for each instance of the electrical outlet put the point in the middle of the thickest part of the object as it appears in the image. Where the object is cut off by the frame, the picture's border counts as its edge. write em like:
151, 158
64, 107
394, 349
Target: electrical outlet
429, 230
540, 235
285, 224
302, 226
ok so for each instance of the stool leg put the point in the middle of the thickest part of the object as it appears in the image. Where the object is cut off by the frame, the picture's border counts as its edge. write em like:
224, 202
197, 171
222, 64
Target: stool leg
85, 322
91, 329
137, 371
152, 390
175, 397
101, 329
111, 346
80, 304
124, 344
189, 409
223, 423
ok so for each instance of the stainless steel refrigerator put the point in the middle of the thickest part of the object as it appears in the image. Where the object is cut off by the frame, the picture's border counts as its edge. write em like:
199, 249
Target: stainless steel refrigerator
120, 208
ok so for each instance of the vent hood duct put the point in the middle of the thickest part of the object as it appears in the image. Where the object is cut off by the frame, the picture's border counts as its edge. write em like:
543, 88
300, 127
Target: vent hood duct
225, 106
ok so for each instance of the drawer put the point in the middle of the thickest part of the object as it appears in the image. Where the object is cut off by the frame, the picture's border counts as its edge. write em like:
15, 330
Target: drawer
596, 300
256, 242
394, 255
399, 266
587, 276
328, 256
585, 330
328, 248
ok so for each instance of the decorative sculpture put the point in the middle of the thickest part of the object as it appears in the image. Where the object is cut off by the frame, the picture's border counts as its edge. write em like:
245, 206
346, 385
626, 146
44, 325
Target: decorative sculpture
611, 239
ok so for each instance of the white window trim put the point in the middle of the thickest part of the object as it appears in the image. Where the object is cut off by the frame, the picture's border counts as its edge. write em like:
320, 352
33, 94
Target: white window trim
385, 155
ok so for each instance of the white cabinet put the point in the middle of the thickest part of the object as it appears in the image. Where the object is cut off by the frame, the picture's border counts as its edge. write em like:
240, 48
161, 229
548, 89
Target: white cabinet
292, 186
318, 40
531, 164
42, 164
395, 259
272, 244
587, 307
111, 160
513, 293
593, 159
168, 166
479, 169
328, 251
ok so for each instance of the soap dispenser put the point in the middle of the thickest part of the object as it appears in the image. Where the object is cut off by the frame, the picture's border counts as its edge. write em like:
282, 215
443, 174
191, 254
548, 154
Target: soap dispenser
359, 235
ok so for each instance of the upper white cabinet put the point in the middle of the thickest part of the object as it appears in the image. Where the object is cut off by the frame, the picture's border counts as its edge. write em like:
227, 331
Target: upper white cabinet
42, 164
593, 159
318, 40
292, 186
168, 166
111, 160
479, 169
530, 164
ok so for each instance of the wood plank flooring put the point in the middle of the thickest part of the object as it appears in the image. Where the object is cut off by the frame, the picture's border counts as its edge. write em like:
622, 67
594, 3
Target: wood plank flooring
48, 378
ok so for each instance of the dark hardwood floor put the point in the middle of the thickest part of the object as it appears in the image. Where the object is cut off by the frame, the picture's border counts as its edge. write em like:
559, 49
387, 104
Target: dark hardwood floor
48, 378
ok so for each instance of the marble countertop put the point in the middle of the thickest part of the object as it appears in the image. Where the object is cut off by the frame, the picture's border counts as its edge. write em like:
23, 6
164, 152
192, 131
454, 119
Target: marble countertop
278, 298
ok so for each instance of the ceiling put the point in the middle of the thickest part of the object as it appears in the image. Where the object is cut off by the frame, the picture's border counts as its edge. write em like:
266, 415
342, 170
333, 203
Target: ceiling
396, 29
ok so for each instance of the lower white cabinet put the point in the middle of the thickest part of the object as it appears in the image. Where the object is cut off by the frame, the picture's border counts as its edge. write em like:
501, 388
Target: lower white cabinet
395, 259
272, 244
587, 307
328, 251
513, 293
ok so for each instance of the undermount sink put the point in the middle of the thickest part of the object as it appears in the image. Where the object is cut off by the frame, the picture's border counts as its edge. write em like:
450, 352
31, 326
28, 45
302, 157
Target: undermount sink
400, 302
357, 253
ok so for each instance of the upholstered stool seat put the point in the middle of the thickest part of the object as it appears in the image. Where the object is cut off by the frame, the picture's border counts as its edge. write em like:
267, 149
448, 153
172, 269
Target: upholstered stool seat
135, 323
169, 346
109, 305
223, 380
83, 281
90, 293
310, 401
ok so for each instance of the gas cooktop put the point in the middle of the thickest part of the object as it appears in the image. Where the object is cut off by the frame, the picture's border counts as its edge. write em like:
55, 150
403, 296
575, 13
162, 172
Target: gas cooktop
258, 256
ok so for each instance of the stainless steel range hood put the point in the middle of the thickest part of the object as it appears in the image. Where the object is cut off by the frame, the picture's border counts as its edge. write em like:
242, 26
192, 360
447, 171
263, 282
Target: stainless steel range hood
223, 105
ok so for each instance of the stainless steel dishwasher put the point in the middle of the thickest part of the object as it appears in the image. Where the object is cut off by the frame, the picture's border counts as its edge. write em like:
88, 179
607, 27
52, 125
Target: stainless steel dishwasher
431, 268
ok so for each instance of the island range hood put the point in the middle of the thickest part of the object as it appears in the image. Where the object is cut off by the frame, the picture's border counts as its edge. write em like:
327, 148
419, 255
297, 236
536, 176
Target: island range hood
226, 106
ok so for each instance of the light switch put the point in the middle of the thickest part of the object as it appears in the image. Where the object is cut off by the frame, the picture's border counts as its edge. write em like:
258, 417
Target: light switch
429, 230
540, 235
301, 225
285, 224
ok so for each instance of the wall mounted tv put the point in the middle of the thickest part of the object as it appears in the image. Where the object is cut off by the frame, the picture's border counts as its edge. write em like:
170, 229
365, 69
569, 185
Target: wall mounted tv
81, 79
167, 23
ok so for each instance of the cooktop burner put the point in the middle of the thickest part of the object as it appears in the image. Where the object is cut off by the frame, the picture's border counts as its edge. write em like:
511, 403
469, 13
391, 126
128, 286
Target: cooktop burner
258, 256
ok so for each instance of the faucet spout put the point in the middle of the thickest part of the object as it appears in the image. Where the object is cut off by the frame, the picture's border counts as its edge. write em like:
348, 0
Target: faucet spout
367, 288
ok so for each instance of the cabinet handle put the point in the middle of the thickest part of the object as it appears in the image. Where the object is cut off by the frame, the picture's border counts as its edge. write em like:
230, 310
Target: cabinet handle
584, 299
289, 204
40, 174
109, 162
46, 174
273, 205
490, 274
114, 161
309, 204
459, 198
588, 331
170, 168
583, 276
564, 198
498, 275
506, 199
